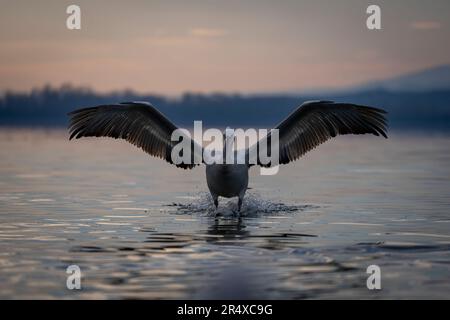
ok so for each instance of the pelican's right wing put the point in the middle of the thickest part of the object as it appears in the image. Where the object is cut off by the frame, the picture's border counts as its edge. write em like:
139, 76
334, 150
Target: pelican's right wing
136, 122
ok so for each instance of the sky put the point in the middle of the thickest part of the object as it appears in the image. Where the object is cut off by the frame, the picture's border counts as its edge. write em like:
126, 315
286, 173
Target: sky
245, 46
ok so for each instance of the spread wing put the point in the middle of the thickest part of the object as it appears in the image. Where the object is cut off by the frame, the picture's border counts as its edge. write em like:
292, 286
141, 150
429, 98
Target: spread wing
136, 122
315, 122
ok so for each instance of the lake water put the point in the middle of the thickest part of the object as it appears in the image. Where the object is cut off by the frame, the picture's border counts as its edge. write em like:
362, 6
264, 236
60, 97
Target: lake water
140, 228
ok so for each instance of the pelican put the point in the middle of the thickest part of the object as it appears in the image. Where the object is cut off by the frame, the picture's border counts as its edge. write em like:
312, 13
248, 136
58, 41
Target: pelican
308, 126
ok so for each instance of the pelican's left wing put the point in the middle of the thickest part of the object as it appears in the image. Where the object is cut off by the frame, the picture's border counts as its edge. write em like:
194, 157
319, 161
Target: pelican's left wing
315, 122
136, 122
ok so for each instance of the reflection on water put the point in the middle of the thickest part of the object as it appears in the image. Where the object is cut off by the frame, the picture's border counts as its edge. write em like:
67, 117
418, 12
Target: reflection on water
139, 228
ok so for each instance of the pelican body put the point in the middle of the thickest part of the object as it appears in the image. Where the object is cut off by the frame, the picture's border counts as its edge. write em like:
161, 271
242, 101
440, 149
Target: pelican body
308, 126
227, 180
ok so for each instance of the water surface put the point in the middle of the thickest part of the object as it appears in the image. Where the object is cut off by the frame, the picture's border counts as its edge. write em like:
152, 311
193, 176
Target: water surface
140, 228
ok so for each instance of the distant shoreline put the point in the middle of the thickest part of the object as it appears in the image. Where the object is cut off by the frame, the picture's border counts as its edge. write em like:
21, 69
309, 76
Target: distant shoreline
48, 107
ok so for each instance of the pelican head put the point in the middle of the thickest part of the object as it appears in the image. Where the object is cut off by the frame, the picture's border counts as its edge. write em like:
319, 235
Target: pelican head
228, 139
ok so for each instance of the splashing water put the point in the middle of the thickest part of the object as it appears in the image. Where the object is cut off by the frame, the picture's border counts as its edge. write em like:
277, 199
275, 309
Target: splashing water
252, 205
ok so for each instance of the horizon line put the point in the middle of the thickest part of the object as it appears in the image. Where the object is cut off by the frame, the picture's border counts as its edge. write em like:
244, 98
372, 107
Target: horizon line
294, 92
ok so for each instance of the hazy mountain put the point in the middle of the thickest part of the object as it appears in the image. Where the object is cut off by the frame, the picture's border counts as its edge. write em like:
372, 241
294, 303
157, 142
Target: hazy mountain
419, 101
436, 78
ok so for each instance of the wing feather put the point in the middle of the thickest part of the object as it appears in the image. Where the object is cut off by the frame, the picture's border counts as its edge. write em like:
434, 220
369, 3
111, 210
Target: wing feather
139, 123
315, 122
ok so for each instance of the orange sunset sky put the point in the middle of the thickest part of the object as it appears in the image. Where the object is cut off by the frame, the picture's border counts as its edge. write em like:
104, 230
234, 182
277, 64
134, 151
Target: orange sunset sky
247, 46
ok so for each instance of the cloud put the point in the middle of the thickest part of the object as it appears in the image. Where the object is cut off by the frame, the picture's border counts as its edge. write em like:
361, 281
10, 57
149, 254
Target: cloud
195, 36
426, 25
207, 32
